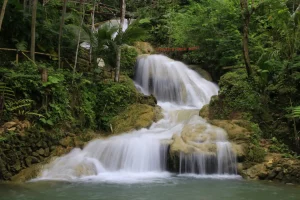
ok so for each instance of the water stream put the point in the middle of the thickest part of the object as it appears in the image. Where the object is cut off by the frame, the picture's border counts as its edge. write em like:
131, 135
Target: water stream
142, 155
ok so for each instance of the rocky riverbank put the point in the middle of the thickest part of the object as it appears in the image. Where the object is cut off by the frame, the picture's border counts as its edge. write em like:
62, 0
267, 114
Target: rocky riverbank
25, 149
255, 160
21, 154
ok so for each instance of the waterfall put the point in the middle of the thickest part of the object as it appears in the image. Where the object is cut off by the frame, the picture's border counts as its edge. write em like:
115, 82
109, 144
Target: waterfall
142, 154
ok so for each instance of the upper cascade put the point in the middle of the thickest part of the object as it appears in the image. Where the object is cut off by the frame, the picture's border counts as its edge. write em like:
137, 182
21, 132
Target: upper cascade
172, 81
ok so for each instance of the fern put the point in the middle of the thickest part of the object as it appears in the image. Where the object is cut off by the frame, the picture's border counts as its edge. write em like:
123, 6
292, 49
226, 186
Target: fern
296, 112
6, 93
17, 105
21, 109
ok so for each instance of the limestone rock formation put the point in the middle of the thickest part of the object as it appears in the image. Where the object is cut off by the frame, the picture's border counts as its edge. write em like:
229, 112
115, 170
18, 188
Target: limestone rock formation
135, 117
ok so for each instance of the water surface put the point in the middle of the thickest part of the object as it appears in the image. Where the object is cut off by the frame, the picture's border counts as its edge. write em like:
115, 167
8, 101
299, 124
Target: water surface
175, 188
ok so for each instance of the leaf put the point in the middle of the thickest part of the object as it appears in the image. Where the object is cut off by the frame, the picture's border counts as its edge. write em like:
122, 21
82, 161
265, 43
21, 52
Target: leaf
145, 21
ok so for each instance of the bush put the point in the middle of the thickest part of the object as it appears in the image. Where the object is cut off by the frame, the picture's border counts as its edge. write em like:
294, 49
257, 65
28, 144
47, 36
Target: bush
113, 98
239, 97
256, 154
128, 60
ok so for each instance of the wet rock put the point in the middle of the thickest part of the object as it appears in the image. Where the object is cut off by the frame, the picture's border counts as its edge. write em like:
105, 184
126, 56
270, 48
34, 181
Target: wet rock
47, 152
17, 166
201, 71
39, 144
36, 154
240, 151
135, 117
204, 112
79, 143
66, 142
256, 171
27, 174
31, 160
235, 129
196, 138
41, 152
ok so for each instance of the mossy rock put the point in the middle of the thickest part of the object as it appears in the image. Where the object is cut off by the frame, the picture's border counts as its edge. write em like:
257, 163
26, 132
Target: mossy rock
136, 116
204, 112
144, 48
203, 73
28, 173
237, 130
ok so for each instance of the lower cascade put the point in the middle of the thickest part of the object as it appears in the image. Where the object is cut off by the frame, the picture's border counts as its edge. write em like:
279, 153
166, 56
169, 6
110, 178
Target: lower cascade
182, 142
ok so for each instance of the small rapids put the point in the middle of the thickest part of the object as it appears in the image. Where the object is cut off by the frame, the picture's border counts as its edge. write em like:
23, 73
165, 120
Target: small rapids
143, 155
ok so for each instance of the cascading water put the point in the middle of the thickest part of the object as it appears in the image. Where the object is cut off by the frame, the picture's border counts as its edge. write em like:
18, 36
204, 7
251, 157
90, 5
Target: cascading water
201, 148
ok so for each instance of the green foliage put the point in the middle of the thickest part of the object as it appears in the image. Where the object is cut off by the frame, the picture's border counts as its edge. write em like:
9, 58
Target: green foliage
278, 147
296, 112
21, 109
6, 92
128, 60
256, 154
238, 94
214, 27
113, 99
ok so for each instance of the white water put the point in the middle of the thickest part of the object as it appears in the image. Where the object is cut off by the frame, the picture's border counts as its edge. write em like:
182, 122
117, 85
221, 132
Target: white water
142, 155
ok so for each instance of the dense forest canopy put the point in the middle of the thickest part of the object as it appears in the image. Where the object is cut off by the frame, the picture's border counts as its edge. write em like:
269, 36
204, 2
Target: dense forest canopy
62, 86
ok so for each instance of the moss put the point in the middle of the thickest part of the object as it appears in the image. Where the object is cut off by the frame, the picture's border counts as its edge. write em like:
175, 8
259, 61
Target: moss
239, 97
114, 98
136, 116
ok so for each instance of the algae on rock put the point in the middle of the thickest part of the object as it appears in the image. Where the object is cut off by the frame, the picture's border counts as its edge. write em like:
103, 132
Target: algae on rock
136, 116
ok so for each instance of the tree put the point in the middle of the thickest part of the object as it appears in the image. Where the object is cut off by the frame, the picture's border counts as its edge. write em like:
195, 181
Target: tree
247, 10
246, 15
122, 18
62, 23
2, 12
79, 36
33, 25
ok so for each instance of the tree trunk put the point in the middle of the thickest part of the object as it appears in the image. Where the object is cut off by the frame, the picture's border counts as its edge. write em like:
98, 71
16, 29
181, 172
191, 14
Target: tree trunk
2, 12
92, 31
246, 21
122, 19
296, 11
78, 40
33, 24
62, 23
24, 7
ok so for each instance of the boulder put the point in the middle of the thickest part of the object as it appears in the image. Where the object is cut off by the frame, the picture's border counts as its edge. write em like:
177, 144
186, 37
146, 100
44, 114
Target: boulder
41, 152
135, 117
196, 138
201, 72
66, 142
28, 173
144, 48
255, 172
31, 160
235, 129
204, 112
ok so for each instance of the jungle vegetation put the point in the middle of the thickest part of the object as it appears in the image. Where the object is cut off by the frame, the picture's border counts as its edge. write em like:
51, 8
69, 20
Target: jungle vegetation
251, 48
